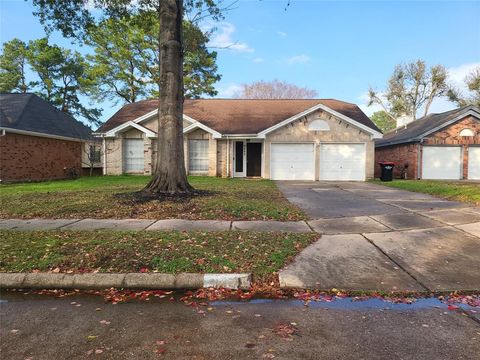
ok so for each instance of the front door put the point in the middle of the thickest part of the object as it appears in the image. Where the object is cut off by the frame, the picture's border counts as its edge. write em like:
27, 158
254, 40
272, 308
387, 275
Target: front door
254, 159
239, 159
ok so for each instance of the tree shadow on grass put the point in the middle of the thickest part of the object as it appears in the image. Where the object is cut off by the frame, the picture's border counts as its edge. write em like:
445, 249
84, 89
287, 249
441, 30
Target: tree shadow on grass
140, 197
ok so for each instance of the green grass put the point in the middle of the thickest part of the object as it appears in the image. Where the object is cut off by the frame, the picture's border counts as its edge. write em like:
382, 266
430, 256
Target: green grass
97, 197
166, 252
451, 190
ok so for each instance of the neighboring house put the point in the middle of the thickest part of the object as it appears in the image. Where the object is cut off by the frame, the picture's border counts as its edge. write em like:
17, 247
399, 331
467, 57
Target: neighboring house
273, 139
437, 146
40, 142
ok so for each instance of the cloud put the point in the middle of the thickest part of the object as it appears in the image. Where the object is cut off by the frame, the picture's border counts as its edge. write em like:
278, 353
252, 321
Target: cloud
456, 75
258, 60
223, 39
229, 90
282, 33
298, 59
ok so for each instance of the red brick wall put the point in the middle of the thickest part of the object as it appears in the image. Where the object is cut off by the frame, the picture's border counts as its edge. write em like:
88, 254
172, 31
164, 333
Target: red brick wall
401, 155
33, 158
408, 153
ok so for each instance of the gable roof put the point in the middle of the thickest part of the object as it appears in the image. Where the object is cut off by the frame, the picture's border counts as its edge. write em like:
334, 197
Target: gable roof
30, 113
426, 125
240, 116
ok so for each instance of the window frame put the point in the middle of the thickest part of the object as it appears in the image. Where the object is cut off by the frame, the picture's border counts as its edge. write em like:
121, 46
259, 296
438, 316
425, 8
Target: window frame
200, 154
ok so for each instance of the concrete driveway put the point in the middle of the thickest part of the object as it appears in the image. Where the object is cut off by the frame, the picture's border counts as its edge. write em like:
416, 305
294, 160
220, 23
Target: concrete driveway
379, 238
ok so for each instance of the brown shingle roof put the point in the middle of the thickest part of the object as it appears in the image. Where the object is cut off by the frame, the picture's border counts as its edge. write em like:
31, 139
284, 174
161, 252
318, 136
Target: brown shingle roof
239, 116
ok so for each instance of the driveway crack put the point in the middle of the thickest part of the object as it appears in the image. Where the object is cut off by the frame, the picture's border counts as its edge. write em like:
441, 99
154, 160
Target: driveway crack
397, 264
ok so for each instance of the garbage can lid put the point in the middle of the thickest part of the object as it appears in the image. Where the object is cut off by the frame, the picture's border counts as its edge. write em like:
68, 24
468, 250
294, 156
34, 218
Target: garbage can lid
386, 163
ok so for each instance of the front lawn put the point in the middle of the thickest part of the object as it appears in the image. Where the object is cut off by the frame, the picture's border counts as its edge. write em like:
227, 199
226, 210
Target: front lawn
451, 190
166, 252
101, 197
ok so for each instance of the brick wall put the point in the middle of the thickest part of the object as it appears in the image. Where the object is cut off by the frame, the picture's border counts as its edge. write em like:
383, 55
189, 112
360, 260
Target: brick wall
33, 158
409, 153
401, 155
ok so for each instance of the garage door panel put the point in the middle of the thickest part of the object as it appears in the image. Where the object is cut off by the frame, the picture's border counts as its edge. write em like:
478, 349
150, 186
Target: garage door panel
474, 162
344, 162
441, 162
292, 162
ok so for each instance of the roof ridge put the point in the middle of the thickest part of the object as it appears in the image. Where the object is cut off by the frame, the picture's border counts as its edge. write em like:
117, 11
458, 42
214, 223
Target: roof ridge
30, 97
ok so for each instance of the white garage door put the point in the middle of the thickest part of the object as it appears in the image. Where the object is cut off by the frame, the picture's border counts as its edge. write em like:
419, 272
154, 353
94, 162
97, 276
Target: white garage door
292, 162
342, 162
441, 162
474, 162
133, 155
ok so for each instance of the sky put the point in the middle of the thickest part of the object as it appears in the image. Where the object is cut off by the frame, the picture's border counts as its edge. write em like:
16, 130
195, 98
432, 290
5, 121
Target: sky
338, 48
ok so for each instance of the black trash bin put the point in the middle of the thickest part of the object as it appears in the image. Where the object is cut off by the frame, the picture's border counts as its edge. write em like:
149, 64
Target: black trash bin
387, 170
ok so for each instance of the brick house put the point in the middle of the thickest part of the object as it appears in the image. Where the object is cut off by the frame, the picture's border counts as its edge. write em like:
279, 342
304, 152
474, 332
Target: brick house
39, 142
437, 146
311, 139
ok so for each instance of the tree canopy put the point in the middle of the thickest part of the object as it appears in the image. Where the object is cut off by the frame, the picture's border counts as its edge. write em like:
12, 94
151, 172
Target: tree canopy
411, 87
472, 97
383, 121
275, 89
125, 62
52, 72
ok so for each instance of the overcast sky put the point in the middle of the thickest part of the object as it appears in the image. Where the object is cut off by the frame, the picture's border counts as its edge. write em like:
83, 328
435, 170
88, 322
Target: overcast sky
338, 48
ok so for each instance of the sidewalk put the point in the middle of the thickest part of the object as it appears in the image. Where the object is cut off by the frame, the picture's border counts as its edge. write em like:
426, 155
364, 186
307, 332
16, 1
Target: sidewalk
152, 225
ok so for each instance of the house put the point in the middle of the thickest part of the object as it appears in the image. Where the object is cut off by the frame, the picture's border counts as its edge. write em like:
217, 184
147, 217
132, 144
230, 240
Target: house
273, 139
437, 146
39, 142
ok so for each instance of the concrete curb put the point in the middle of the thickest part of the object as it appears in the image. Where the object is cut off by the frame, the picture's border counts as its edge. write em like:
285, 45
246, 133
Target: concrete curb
98, 281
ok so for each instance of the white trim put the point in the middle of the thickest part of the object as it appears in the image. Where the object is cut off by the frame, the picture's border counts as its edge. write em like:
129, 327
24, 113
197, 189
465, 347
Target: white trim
49, 136
448, 123
375, 134
244, 155
199, 125
113, 132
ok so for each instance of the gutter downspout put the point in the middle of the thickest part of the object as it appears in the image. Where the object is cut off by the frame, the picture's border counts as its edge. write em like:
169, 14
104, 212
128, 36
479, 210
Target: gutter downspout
104, 156
228, 157
419, 159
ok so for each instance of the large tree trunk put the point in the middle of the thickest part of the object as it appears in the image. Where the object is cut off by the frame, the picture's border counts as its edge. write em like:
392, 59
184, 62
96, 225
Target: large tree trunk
170, 175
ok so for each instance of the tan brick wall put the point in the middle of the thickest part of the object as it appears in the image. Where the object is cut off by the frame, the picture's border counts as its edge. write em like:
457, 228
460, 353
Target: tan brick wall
113, 156
340, 131
222, 158
34, 158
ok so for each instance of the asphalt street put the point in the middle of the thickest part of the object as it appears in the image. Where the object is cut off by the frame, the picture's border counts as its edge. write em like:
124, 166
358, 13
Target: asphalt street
85, 327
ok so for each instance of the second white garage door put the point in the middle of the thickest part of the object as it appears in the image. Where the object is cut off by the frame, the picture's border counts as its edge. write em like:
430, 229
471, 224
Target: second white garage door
292, 162
474, 162
441, 162
342, 162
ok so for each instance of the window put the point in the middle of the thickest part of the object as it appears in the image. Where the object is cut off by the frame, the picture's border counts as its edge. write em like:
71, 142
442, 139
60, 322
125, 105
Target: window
318, 125
467, 132
94, 155
198, 155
